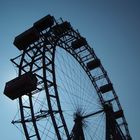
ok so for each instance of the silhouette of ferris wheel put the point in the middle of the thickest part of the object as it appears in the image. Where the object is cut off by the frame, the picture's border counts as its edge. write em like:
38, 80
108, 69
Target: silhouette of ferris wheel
63, 90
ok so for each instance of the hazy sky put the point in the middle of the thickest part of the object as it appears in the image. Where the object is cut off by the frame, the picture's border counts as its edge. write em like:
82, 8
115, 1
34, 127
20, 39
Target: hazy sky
111, 27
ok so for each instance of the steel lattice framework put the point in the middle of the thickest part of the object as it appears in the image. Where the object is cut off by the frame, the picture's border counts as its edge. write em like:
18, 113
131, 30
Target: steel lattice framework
39, 57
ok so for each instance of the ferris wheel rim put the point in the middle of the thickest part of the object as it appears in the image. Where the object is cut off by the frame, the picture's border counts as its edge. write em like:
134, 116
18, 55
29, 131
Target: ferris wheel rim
70, 51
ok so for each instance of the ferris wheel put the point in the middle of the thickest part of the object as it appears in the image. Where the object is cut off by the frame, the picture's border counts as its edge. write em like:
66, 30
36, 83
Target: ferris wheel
63, 90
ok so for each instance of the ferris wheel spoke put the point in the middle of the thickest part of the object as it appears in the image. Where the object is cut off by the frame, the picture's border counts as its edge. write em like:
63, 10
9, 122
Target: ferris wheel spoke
92, 114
